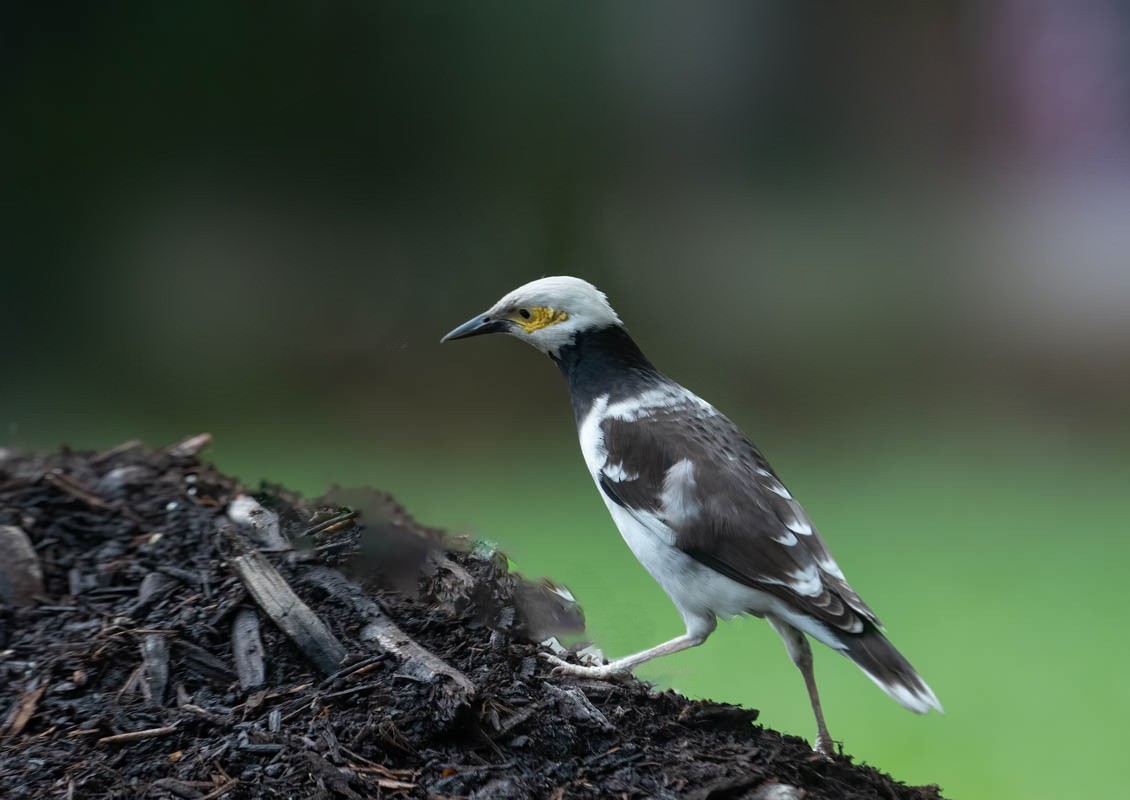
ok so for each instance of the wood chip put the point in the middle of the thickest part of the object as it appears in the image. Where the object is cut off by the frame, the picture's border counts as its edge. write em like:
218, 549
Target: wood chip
203, 663
155, 652
24, 708
416, 661
21, 577
260, 524
279, 602
190, 447
247, 649
152, 588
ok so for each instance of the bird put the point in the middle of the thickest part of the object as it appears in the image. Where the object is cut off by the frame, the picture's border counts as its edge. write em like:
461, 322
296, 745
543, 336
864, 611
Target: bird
694, 499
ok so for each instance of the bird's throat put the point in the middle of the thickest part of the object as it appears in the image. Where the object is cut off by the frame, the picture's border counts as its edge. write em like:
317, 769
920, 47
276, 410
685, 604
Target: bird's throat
603, 361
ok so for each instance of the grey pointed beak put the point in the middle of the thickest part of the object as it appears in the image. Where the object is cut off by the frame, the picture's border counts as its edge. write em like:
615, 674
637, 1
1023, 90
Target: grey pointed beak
477, 326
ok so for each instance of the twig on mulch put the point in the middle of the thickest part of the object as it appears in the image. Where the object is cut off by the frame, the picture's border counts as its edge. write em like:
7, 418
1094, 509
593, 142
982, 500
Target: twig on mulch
76, 490
222, 789
137, 736
330, 524
416, 661
279, 602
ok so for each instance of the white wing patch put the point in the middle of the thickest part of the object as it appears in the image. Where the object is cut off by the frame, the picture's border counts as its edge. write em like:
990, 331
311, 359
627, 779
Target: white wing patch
679, 501
592, 437
785, 537
799, 525
772, 484
662, 397
805, 581
795, 521
617, 474
832, 568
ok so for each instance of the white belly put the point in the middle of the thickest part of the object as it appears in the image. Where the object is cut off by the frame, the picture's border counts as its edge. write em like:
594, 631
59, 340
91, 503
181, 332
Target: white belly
699, 593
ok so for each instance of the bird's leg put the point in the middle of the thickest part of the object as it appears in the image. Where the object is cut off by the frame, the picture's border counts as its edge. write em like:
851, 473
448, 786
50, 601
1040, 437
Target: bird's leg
623, 666
801, 654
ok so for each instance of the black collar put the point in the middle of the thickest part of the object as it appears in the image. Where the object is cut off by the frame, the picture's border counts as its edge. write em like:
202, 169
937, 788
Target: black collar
604, 361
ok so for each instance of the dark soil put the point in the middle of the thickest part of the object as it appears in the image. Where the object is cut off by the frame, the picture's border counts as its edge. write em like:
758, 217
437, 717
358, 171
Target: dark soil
130, 630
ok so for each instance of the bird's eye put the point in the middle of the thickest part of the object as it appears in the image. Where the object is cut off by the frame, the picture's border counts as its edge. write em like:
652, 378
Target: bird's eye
524, 313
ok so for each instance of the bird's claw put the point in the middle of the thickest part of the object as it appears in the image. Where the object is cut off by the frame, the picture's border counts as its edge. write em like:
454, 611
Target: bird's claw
595, 672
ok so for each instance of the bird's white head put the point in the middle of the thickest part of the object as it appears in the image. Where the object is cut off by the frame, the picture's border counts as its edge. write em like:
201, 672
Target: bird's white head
547, 313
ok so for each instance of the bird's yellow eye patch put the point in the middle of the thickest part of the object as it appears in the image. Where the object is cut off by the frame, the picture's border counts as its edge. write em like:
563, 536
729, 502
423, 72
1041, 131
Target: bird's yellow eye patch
534, 318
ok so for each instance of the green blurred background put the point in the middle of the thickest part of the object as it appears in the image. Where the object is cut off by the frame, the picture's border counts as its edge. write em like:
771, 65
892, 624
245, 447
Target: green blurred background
889, 239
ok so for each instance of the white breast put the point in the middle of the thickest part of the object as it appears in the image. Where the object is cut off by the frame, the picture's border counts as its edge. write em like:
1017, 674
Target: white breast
697, 591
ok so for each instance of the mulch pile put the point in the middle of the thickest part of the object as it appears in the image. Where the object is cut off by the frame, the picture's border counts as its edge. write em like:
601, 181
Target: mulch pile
166, 634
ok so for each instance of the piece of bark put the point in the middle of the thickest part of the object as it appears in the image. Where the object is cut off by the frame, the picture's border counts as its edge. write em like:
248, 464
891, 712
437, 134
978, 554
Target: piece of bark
21, 577
119, 478
416, 661
155, 652
199, 661
190, 447
779, 791
24, 708
574, 705
279, 602
247, 649
153, 587
260, 524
